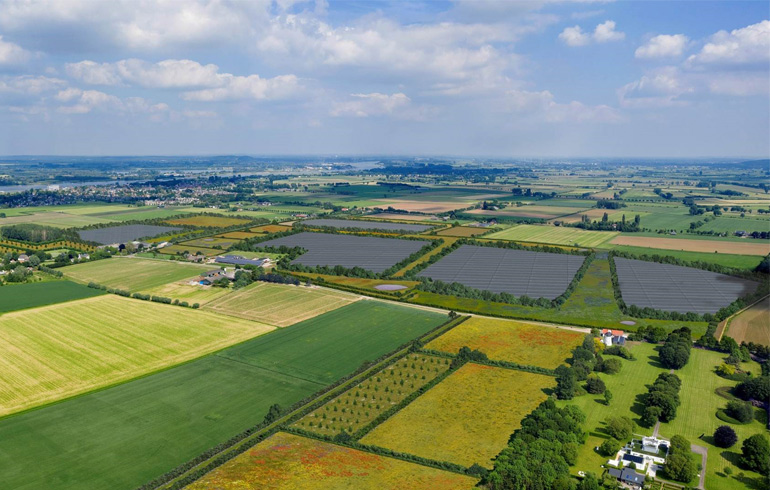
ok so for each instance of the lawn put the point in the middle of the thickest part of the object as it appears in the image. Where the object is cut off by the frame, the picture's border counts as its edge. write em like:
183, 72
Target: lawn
697, 415
280, 304
31, 295
507, 340
133, 274
591, 304
122, 437
286, 461
54, 352
625, 386
752, 325
209, 242
465, 419
557, 235
364, 402
208, 221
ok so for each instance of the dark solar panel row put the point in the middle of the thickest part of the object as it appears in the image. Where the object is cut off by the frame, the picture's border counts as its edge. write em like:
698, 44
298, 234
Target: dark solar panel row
367, 225
370, 253
517, 272
123, 233
675, 288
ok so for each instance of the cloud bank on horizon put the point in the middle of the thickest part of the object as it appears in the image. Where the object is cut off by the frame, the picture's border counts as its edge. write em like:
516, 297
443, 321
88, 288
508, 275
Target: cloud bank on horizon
464, 77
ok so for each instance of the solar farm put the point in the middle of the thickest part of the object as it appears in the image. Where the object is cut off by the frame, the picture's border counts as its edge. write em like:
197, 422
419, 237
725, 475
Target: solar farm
367, 225
371, 253
674, 288
499, 270
124, 233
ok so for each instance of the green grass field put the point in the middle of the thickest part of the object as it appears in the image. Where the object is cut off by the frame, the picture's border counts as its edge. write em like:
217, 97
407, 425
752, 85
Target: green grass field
31, 295
124, 436
53, 352
697, 415
279, 304
556, 235
625, 386
133, 274
465, 419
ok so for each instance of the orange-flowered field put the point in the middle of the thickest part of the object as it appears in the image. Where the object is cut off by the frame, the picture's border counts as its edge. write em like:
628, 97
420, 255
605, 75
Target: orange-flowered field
508, 340
270, 229
286, 461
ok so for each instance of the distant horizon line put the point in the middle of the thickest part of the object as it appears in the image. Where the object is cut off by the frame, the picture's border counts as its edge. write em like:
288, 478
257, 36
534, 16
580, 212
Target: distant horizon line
380, 155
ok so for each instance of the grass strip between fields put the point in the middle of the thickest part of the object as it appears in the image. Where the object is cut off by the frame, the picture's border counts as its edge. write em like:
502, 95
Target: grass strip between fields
195, 469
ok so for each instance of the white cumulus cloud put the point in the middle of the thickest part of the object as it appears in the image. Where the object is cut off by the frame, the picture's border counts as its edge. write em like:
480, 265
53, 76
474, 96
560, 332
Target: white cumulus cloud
663, 46
11, 53
603, 33
374, 104
748, 45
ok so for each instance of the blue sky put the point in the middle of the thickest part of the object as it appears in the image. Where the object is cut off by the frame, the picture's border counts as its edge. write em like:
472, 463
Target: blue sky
474, 78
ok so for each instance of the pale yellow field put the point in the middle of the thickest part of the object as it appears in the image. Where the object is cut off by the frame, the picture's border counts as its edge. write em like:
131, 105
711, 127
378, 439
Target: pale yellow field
749, 247
183, 291
509, 340
465, 419
288, 462
54, 352
752, 325
280, 304
423, 206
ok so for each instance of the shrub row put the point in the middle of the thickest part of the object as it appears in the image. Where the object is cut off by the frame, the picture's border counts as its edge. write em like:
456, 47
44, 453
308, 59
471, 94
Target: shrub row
143, 297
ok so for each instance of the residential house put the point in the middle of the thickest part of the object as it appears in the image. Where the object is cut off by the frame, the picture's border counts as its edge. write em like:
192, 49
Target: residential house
628, 476
23, 258
613, 337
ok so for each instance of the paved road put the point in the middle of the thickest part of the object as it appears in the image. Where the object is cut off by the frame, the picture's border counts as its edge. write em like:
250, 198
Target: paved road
704, 455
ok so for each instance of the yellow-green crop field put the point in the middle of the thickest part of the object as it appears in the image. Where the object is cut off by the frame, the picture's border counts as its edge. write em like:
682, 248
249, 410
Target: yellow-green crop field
465, 419
208, 221
289, 462
364, 402
239, 235
54, 352
557, 235
181, 249
134, 274
508, 340
183, 291
280, 304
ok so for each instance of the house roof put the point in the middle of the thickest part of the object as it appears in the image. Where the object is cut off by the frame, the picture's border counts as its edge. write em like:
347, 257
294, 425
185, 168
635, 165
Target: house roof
633, 459
605, 331
238, 260
615, 472
631, 476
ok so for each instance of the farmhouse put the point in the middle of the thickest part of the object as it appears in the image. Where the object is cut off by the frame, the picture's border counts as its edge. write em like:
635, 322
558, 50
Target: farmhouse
23, 258
628, 476
613, 337
647, 455
210, 277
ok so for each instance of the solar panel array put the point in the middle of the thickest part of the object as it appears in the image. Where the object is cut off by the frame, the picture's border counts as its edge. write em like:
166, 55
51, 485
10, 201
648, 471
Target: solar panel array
370, 253
123, 233
517, 272
367, 225
675, 288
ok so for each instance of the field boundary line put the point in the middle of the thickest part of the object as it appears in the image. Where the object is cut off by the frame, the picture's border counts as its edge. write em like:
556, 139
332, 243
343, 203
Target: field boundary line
250, 440
724, 325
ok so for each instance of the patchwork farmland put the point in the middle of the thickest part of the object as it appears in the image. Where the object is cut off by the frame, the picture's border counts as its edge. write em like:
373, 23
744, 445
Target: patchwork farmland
57, 351
287, 462
279, 304
370, 253
178, 413
517, 272
674, 288
465, 419
507, 340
